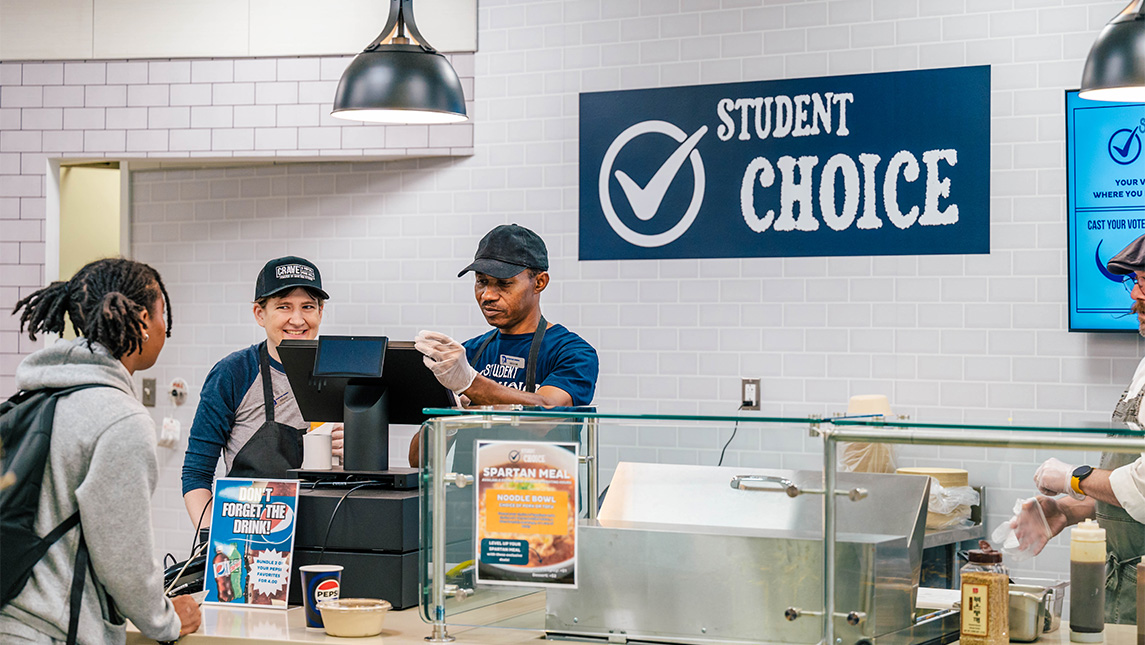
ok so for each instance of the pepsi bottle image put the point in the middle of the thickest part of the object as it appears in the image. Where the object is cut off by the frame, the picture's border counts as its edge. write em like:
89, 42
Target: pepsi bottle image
226, 566
220, 565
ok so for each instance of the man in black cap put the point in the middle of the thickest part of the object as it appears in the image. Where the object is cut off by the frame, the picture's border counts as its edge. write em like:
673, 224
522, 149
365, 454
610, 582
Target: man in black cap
524, 359
246, 409
1113, 494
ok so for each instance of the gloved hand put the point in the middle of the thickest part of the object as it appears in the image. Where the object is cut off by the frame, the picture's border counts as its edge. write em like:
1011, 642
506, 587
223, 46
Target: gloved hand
445, 357
1053, 477
1030, 525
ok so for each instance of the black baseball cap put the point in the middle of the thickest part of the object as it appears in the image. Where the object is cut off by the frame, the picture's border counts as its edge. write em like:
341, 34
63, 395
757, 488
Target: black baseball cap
286, 273
508, 250
1131, 259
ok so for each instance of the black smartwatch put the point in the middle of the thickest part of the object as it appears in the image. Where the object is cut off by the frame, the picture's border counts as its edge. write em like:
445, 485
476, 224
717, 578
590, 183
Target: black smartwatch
1079, 473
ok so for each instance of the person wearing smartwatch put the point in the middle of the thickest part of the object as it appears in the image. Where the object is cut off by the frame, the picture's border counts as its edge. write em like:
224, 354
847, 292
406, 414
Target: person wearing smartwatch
1114, 492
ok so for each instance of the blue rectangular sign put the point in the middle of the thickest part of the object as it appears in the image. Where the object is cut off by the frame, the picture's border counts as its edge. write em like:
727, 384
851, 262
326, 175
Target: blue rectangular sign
251, 545
872, 164
1105, 207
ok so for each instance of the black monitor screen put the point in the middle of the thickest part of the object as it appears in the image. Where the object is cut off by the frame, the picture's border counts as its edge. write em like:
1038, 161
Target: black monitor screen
350, 356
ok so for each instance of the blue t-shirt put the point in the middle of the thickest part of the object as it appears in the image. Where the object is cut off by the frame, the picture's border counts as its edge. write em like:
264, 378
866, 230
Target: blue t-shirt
566, 361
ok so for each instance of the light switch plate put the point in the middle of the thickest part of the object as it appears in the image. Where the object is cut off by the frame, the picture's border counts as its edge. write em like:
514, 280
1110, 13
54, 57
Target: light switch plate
149, 392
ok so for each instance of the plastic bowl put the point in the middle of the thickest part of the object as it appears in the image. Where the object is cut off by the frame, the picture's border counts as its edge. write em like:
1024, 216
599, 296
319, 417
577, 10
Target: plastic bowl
353, 616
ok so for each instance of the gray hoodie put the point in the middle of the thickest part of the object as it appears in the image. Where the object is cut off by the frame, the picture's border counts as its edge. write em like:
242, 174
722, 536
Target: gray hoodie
103, 463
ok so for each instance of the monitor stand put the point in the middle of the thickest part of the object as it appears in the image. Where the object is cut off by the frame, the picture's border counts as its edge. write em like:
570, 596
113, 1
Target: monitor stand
365, 415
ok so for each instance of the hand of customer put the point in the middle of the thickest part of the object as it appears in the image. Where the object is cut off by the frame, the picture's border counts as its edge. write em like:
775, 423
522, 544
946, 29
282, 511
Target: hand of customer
188, 611
1052, 478
336, 438
446, 358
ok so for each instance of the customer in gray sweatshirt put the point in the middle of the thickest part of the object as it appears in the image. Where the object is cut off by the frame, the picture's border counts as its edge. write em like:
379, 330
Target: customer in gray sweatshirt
102, 461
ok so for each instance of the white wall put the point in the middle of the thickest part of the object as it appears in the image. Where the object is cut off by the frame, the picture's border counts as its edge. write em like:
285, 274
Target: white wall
79, 29
975, 338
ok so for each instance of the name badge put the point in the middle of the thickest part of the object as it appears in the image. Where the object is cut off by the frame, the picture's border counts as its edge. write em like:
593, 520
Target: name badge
512, 361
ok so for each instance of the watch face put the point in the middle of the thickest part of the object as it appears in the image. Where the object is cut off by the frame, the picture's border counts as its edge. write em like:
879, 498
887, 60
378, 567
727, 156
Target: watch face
1081, 472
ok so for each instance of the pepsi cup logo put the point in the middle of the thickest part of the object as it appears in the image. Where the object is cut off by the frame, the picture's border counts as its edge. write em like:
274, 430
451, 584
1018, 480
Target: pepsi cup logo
326, 590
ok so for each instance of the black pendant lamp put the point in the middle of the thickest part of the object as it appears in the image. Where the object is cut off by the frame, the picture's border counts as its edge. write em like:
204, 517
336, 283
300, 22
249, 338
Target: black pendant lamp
400, 78
1115, 68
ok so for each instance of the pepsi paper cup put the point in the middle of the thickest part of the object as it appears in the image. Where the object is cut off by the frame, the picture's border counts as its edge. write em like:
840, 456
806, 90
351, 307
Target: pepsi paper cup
319, 582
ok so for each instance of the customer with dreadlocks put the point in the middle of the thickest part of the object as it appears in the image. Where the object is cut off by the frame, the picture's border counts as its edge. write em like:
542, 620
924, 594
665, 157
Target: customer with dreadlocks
102, 460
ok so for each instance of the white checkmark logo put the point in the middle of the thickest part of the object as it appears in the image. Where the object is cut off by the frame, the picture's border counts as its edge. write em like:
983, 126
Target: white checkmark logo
646, 201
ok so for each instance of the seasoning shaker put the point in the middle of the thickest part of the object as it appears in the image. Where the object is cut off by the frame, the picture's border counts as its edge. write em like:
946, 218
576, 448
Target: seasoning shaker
985, 598
1087, 583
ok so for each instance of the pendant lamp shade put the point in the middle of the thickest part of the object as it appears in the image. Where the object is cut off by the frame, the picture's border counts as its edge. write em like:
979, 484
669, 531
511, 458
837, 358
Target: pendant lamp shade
400, 82
1115, 68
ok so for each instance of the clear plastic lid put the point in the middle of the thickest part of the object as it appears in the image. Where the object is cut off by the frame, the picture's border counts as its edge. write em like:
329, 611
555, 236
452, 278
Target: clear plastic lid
355, 604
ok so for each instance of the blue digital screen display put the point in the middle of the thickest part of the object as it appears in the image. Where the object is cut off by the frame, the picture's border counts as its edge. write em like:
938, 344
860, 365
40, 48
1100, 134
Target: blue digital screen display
351, 356
1105, 207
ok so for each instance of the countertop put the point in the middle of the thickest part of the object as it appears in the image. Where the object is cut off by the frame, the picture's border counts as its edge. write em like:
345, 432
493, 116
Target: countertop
250, 626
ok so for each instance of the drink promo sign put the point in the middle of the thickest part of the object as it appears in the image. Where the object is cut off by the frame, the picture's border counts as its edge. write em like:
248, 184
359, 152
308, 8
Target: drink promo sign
251, 543
873, 164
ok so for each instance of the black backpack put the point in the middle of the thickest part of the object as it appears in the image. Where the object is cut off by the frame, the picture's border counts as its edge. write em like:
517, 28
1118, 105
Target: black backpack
25, 439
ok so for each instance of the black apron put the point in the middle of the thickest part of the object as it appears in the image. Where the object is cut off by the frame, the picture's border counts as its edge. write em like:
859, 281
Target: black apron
1124, 536
534, 352
275, 447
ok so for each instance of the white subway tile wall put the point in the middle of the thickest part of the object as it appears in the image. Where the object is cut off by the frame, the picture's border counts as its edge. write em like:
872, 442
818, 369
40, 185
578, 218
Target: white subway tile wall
976, 338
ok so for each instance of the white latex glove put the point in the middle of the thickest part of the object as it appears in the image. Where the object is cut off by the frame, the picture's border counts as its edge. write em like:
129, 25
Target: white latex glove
445, 357
1052, 478
1026, 533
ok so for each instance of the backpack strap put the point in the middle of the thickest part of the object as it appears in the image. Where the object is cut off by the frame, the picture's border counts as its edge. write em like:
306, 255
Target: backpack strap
77, 589
52, 537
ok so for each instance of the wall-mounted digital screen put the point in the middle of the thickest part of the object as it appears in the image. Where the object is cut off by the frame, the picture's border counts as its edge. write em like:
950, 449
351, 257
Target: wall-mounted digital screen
1105, 207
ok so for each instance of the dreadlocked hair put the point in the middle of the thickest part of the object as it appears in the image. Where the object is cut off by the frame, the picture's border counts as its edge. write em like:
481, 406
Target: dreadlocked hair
104, 301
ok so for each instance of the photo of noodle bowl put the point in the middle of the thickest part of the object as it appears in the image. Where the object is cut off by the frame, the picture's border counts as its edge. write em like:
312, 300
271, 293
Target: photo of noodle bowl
527, 494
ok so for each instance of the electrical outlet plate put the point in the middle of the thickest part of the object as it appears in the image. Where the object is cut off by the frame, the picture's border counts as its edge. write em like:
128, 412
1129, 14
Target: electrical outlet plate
749, 393
149, 392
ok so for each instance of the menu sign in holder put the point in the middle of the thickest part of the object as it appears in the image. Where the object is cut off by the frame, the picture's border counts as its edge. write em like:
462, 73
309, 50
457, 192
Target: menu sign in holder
251, 542
527, 511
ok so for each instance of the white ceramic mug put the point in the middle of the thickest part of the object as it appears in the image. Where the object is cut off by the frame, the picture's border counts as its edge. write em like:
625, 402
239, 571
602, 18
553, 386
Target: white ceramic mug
316, 451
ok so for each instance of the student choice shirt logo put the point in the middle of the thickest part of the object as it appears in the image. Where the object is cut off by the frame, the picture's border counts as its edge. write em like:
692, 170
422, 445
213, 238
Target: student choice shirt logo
853, 165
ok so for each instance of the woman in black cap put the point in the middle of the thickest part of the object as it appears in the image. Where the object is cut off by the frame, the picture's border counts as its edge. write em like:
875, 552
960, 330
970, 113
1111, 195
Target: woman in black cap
246, 410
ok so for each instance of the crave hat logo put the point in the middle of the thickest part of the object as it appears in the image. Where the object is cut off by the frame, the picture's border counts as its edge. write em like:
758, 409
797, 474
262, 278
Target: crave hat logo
299, 271
645, 201
872, 164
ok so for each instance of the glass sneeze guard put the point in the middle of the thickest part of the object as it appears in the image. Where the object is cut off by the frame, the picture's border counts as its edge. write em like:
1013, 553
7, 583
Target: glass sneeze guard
449, 512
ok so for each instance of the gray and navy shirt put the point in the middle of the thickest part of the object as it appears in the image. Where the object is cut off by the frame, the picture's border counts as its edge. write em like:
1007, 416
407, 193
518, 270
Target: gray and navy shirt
230, 412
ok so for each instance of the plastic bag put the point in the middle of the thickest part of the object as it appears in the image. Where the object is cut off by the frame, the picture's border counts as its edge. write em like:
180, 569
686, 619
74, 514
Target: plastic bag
1025, 534
946, 500
867, 458
949, 507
